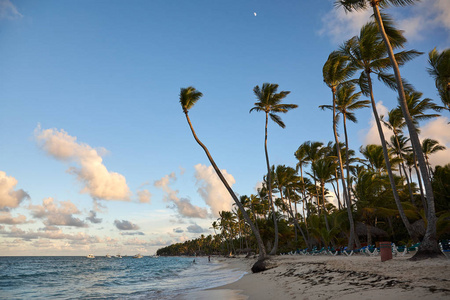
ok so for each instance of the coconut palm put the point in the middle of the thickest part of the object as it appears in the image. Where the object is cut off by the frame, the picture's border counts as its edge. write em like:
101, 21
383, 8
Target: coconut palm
429, 147
346, 103
440, 70
269, 102
285, 179
368, 53
188, 97
336, 71
429, 245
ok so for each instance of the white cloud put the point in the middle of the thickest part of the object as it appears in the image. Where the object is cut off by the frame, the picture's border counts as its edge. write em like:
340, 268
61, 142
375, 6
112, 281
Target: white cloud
416, 21
341, 26
144, 196
55, 215
371, 135
9, 198
7, 218
9, 11
438, 129
183, 205
98, 181
424, 17
212, 189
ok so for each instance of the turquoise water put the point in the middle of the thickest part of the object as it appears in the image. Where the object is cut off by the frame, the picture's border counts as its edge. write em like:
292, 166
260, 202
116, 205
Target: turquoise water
109, 278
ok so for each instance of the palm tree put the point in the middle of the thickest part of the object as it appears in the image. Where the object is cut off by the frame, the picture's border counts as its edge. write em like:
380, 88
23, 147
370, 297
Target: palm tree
188, 97
429, 147
269, 101
429, 245
285, 179
336, 71
440, 70
346, 103
368, 54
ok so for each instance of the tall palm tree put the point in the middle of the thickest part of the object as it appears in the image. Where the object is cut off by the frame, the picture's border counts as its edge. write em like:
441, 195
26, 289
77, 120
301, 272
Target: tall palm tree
346, 103
429, 147
429, 245
336, 71
440, 70
368, 53
269, 102
188, 97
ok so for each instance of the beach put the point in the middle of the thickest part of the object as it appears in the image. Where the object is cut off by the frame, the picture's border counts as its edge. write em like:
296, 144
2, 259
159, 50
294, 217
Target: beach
335, 277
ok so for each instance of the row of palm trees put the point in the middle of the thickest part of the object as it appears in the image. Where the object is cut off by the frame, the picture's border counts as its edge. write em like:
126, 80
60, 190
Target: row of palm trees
346, 69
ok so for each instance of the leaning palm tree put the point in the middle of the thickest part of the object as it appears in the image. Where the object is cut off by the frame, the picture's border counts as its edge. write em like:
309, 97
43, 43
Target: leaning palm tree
367, 53
269, 102
440, 70
188, 97
429, 245
337, 71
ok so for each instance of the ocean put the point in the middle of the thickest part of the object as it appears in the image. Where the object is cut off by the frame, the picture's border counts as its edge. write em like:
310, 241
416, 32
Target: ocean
75, 277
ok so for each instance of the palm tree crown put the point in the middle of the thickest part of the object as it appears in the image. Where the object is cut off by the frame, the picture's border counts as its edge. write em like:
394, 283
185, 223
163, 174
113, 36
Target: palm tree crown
269, 101
188, 97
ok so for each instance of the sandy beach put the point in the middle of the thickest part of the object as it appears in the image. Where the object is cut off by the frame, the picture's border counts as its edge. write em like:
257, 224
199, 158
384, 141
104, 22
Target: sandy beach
336, 277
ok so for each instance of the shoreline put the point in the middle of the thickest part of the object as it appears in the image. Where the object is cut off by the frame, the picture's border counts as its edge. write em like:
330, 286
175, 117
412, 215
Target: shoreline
335, 277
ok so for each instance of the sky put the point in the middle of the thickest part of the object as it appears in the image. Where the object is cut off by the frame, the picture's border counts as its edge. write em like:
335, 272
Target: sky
96, 155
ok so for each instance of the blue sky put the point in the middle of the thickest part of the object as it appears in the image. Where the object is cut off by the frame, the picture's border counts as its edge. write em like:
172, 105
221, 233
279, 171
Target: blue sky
92, 131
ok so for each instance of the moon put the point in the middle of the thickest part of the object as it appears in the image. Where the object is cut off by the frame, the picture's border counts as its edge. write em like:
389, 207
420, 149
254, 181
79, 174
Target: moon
254, 14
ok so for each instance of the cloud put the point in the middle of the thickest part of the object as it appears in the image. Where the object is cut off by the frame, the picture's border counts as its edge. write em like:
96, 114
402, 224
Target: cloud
371, 135
178, 230
90, 171
341, 26
29, 235
7, 218
212, 190
132, 233
144, 196
93, 218
8, 11
182, 205
438, 129
55, 215
194, 228
424, 17
9, 198
416, 21
125, 225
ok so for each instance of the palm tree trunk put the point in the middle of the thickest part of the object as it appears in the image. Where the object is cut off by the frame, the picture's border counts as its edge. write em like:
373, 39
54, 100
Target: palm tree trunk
388, 163
352, 238
429, 246
269, 187
262, 249
347, 160
419, 180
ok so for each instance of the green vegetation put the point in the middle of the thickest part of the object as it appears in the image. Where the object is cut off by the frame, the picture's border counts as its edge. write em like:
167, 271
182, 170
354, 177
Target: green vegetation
388, 192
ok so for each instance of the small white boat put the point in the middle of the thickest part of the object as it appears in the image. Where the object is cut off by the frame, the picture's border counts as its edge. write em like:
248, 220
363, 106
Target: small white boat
138, 256
90, 256
118, 256
108, 256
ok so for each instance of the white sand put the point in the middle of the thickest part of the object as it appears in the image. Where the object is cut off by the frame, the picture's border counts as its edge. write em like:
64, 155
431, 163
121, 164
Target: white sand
336, 277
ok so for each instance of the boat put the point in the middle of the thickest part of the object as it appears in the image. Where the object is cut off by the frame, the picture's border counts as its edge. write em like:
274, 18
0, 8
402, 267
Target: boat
118, 256
138, 256
90, 256
108, 256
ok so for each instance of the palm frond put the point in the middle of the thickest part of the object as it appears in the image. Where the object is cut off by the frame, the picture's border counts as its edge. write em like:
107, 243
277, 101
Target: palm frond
277, 120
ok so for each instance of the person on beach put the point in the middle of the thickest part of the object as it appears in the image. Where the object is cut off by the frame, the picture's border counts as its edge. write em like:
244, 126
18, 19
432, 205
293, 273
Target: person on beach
209, 258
